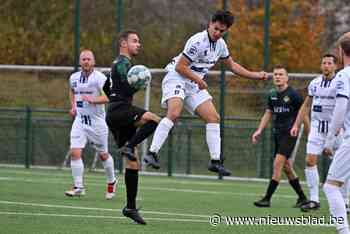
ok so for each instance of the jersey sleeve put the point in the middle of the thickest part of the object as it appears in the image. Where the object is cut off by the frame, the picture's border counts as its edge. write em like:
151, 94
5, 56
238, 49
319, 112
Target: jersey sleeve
191, 50
342, 85
311, 89
224, 53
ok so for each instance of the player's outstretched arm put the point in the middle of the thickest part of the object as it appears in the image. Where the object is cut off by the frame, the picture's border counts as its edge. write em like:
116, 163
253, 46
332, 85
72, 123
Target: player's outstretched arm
241, 71
302, 116
182, 67
262, 125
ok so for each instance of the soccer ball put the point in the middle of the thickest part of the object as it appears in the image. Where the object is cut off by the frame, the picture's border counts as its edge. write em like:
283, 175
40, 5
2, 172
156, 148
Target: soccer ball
139, 77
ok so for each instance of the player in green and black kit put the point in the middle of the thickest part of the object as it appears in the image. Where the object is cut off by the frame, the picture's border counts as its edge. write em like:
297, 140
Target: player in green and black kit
283, 106
123, 119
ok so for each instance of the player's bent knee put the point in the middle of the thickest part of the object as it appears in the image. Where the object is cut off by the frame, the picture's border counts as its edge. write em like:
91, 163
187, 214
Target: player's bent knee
75, 154
149, 116
173, 115
132, 165
103, 156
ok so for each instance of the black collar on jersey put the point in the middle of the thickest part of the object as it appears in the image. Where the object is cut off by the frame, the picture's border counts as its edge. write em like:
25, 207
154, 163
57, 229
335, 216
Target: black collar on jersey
326, 83
83, 77
212, 44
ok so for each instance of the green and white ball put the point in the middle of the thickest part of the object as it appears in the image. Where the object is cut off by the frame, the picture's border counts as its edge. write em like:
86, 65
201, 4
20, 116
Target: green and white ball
139, 77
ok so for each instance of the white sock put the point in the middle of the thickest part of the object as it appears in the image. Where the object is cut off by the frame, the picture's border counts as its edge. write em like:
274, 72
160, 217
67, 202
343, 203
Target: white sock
313, 181
337, 207
108, 165
213, 140
77, 167
345, 191
161, 134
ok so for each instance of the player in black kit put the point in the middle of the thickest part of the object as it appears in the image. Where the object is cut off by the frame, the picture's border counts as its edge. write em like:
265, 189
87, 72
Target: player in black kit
283, 106
129, 124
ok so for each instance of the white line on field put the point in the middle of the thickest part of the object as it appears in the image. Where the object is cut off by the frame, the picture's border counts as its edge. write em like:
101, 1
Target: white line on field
99, 216
96, 208
152, 188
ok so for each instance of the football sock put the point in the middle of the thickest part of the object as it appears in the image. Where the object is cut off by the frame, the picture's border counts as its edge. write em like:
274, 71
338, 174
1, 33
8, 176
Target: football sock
108, 165
271, 189
161, 134
143, 132
313, 180
131, 183
213, 140
77, 167
297, 188
345, 192
337, 207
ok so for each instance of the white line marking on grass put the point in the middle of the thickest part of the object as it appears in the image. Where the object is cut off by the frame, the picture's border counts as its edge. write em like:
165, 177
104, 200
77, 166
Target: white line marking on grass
100, 216
97, 209
51, 181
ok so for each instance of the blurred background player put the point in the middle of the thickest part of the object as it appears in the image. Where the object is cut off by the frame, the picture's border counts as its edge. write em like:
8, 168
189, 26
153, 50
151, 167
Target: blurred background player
322, 92
183, 86
283, 106
339, 170
129, 124
87, 100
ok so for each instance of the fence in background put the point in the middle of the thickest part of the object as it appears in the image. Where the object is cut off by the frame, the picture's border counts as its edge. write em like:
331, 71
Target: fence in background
40, 137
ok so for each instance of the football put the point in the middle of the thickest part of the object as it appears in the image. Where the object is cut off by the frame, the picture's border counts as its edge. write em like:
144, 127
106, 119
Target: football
139, 76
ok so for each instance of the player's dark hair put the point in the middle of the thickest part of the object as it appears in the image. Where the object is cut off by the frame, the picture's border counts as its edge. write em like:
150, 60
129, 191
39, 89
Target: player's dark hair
345, 46
330, 56
123, 36
280, 66
224, 17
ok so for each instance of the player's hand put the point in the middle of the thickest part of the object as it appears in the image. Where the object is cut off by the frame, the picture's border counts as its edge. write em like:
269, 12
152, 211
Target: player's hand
328, 152
294, 131
73, 112
88, 99
255, 136
261, 75
202, 84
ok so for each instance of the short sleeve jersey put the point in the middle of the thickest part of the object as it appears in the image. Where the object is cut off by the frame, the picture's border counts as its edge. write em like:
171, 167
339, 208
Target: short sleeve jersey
120, 90
89, 86
202, 52
323, 93
343, 90
284, 107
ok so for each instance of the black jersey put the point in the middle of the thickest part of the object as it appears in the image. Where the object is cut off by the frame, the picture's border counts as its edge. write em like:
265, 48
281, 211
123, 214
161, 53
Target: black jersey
284, 106
119, 88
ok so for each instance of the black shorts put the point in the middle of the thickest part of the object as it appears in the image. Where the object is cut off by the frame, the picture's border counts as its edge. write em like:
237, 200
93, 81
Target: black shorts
284, 144
121, 118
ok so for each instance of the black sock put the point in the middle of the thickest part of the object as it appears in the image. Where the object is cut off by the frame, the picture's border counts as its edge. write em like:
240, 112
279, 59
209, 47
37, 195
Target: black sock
144, 131
271, 189
297, 188
131, 183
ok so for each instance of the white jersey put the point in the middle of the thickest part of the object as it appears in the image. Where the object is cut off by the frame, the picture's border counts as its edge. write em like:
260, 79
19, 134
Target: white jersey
89, 86
323, 93
202, 52
344, 86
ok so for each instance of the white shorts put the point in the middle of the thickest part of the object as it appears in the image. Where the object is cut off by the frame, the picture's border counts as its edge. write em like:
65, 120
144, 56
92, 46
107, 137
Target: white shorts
174, 85
96, 135
340, 166
315, 142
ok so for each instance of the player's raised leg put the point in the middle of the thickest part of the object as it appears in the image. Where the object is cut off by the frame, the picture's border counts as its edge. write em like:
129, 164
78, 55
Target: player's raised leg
208, 113
174, 105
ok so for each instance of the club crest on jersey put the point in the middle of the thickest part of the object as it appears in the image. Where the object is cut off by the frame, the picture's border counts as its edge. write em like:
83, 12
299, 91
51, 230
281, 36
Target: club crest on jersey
286, 99
192, 50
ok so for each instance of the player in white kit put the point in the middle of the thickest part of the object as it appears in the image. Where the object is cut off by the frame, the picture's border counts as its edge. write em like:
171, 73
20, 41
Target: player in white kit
322, 92
183, 86
339, 171
87, 106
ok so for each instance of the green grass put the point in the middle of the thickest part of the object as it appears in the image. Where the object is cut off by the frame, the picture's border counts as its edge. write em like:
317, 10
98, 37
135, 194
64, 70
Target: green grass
32, 201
